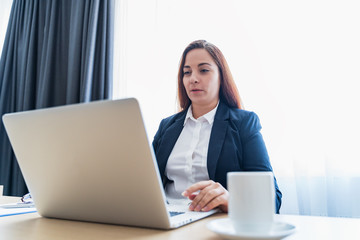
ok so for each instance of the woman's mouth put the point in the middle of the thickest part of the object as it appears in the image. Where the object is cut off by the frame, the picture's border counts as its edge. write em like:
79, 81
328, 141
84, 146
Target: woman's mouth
196, 90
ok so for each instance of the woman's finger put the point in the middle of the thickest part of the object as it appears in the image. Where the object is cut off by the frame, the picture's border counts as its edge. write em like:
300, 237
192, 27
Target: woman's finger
207, 196
196, 187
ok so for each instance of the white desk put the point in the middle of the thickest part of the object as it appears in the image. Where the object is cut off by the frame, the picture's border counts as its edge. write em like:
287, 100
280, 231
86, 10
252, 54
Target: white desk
32, 226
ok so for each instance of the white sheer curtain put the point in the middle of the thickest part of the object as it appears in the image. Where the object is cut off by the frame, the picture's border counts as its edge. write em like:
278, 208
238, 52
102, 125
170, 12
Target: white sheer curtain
5, 8
296, 64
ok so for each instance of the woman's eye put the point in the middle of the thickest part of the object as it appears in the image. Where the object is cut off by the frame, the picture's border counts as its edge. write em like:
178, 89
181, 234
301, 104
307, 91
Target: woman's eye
204, 70
186, 72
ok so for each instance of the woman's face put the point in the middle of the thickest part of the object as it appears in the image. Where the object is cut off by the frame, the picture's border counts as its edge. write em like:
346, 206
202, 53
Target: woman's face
201, 78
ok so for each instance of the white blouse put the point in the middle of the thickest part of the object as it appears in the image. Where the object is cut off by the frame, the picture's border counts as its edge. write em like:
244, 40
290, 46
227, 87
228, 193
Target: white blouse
187, 163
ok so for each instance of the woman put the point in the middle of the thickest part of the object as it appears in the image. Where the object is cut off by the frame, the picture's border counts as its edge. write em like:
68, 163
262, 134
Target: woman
210, 136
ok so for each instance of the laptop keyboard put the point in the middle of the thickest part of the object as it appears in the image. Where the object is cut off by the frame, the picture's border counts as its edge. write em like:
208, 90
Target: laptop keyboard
172, 213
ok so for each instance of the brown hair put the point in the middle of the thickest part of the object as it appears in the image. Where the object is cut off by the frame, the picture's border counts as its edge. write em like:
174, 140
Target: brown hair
228, 92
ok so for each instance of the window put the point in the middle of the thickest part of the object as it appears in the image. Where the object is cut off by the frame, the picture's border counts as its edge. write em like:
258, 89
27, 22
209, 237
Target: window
4, 18
296, 64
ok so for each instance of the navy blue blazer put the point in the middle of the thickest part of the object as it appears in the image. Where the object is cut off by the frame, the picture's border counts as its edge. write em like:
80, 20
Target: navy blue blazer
236, 144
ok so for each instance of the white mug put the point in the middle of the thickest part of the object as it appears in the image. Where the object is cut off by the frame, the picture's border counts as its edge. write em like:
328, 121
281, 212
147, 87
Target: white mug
251, 201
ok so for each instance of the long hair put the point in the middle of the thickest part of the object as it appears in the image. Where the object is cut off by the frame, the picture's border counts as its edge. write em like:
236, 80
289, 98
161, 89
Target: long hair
228, 92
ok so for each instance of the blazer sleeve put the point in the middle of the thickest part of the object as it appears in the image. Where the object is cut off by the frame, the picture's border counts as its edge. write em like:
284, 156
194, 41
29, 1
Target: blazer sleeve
255, 155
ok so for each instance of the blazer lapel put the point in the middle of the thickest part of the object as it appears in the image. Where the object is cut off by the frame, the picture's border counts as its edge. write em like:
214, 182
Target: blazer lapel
217, 138
168, 142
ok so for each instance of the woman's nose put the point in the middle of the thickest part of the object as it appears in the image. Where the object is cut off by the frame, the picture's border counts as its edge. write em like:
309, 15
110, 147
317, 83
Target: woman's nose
194, 78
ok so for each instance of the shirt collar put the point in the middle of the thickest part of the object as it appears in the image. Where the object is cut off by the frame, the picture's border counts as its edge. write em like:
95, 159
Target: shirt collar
209, 117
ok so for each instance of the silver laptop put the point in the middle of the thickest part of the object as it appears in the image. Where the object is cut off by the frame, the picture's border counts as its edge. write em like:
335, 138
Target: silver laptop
93, 162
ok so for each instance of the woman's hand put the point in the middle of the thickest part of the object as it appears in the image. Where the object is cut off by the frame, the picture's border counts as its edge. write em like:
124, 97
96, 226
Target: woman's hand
211, 195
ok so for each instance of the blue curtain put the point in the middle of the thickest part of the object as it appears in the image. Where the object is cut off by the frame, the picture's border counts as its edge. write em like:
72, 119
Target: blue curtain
55, 52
